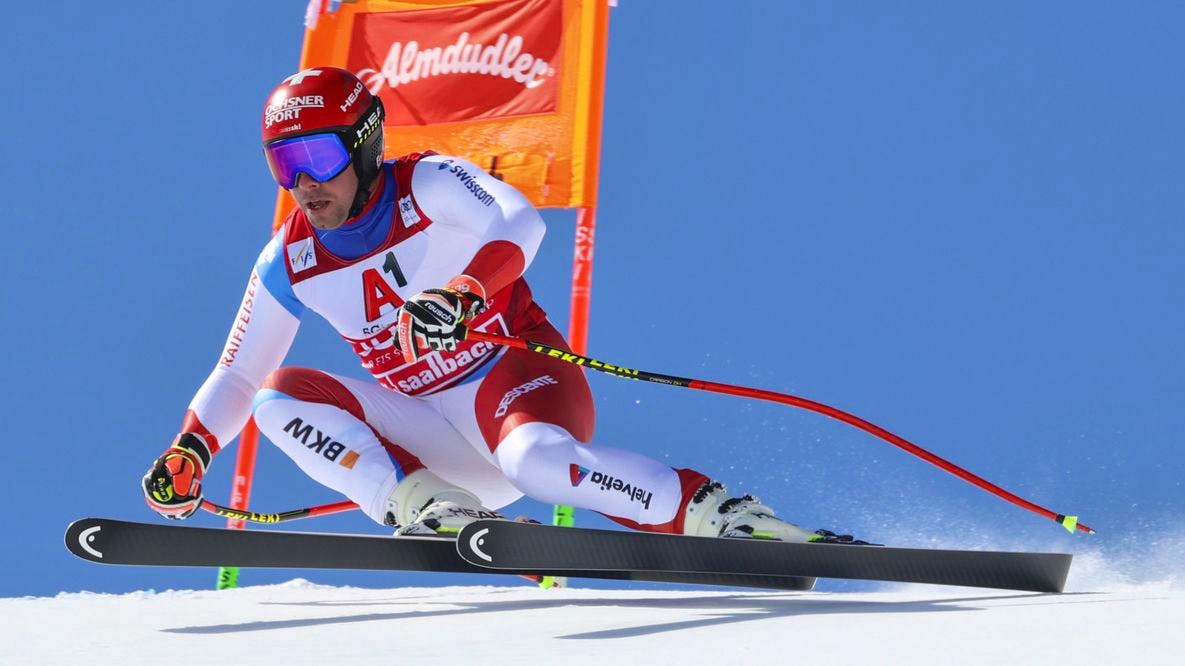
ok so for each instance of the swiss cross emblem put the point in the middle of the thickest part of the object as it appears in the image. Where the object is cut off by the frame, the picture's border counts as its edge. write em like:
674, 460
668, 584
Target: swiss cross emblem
298, 77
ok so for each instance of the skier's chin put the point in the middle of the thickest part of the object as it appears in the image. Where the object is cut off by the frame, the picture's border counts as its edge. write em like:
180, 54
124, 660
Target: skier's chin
327, 218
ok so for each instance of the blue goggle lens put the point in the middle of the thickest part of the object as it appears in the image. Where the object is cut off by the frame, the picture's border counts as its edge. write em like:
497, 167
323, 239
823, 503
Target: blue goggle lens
319, 156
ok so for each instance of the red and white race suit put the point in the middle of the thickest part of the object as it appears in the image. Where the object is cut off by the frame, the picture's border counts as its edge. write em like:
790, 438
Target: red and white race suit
498, 422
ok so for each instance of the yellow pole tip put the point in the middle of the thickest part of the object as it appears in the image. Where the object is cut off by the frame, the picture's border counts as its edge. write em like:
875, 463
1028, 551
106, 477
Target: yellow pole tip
1070, 523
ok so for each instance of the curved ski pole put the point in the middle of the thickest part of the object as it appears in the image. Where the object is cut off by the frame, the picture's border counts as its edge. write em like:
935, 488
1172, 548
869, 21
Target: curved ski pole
1069, 522
270, 518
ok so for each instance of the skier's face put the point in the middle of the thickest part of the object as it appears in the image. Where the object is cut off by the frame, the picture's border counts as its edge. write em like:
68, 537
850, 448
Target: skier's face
327, 205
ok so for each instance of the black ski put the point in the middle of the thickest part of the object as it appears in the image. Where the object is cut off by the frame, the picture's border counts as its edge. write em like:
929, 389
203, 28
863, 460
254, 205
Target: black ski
518, 546
109, 541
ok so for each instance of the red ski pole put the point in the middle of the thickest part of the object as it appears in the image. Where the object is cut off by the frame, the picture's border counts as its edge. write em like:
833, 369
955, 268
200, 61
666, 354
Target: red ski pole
1069, 522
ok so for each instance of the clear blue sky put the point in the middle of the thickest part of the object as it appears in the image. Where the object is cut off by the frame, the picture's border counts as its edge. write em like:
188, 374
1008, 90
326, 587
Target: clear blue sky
963, 223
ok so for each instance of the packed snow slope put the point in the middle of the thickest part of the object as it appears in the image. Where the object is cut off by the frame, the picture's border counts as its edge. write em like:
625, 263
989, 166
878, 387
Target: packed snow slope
304, 623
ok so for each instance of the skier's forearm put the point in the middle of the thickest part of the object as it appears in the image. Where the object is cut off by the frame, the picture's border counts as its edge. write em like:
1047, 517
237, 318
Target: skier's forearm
496, 265
220, 407
259, 339
513, 238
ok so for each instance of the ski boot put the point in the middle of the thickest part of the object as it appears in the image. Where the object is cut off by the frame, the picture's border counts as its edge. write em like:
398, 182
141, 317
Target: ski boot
424, 504
711, 512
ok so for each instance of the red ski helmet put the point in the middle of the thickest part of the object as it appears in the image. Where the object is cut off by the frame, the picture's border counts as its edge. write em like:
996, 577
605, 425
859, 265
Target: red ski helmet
317, 122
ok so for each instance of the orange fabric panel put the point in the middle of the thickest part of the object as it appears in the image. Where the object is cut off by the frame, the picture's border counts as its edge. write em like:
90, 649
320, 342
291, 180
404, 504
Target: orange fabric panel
516, 86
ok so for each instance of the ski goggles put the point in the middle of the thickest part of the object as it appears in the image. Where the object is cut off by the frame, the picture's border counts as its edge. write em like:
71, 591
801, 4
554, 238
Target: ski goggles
319, 156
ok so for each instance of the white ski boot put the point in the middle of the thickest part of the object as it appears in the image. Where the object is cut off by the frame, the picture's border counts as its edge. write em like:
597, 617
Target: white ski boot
711, 512
424, 504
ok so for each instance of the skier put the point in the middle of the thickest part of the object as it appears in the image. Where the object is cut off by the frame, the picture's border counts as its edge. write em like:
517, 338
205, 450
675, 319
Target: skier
400, 257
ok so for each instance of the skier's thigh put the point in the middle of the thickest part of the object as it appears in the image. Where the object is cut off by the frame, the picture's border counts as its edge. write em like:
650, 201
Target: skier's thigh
417, 425
525, 387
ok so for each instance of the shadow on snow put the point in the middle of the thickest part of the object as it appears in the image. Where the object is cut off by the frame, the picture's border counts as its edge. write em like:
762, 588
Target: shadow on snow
710, 611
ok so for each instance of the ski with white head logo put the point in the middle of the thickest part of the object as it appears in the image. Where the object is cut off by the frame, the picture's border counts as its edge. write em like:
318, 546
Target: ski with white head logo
498, 544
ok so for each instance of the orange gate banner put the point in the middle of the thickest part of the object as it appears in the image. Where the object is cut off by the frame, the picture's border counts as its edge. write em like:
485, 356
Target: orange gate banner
515, 86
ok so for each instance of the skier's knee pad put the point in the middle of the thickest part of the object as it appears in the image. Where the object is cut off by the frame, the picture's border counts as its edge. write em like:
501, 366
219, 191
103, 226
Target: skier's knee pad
533, 451
309, 385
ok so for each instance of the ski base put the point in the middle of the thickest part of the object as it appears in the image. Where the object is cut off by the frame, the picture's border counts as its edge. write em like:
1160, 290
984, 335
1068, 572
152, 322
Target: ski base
110, 541
518, 546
